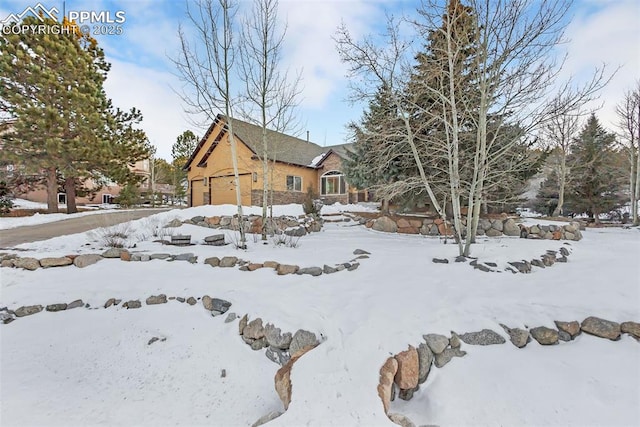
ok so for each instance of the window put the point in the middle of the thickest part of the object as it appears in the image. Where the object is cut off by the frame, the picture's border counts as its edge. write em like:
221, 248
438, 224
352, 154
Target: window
107, 199
62, 198
204, 181
294, 183
333, 183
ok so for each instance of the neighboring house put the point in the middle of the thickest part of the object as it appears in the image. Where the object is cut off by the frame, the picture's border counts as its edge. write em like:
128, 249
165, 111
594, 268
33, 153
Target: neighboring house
294, 166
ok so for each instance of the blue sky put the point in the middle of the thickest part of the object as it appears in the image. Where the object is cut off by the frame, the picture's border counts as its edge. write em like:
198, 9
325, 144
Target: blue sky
142, 75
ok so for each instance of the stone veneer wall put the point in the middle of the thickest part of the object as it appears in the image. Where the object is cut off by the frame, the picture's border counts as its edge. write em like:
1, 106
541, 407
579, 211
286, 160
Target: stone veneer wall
279, 197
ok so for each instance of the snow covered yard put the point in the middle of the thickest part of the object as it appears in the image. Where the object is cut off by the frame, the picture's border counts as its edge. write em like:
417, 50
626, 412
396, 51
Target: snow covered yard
87, 367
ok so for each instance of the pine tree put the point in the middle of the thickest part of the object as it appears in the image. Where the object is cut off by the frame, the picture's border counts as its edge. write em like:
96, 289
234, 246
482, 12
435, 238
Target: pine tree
181, 150
596, 181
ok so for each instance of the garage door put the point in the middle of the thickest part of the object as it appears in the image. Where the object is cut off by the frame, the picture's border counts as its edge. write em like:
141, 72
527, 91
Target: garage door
223, 190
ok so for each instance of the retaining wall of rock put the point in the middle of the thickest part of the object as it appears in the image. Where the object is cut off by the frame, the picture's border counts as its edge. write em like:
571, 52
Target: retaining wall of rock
402, 374
303, 224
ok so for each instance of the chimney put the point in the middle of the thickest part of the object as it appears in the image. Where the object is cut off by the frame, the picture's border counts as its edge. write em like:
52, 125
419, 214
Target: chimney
307, 136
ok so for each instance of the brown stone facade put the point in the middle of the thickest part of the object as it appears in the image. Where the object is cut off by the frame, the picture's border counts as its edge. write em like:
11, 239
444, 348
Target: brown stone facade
279, 197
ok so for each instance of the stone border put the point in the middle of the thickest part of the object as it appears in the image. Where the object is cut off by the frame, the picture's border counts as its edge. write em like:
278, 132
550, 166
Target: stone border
548, 259
402, 374
81, 261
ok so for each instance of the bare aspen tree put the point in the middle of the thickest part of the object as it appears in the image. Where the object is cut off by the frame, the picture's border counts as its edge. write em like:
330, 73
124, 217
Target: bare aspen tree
270, 93
629, 125
206, 67
371, 67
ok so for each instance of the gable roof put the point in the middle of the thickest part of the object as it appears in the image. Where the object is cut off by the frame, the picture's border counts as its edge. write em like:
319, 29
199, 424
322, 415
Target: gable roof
282, 147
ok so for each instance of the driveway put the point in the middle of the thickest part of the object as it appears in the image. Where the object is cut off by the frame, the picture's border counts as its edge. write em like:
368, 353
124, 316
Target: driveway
32, 233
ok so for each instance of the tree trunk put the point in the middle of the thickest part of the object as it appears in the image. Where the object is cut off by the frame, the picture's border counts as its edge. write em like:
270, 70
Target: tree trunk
70, 189
242, 244
52, 191
385, 206
636, 190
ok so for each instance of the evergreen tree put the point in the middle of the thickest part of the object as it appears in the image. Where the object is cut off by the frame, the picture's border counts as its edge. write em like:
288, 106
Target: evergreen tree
181, 150
596, 181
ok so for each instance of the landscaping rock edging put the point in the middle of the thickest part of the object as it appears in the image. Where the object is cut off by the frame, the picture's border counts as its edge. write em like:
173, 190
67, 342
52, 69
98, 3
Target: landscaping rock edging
402, 374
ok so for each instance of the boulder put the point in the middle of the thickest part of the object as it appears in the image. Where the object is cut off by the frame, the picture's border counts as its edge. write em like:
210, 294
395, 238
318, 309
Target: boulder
228, 261
385, 224
173, 223
86, 260
313, 271
266, 418
27, 310
296, 232
631, 328
454, 341
220, 305
207, 302
328, 270
437, 343
572, 328
243, 323
284, 269
302, 339
254, 329
57, 307
230, 318
160, 256
510, 228
26, 263
277, 355
522, 266
425, 359
112, 253
440, 260
283, 378
270, 264
353, 266
125, 255
361, 252
385, 385
212, 261
537, 263
215, 240
402, 420
276, 338
544, 335
157, 299
497, 225
601, 328
132, 304
445, 357
408, 369
259, 344
109, 303
564, 336
483, 337
254, 266
191, 301
518, 337
492, 232
75, 304
55, 262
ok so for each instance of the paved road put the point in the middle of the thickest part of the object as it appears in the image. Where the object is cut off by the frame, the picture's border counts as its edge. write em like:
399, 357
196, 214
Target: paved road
32, 233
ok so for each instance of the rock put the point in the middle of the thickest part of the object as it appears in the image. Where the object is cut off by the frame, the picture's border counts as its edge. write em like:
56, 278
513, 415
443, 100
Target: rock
212, 261
440, 260
266, 418
125, 255
601, 328
254, 329
408, 369
492, 232
112, 253
197, 219
572, 328
254, 266
537, 263
160, 256
28, 310
631, 328
173, 223
109, 302
518, 337
180, 299
562, 259
548, 259
215, 240
191, 301
454, 341
228, 261
284, 269
283, 378
481, 267
564, 251
207, 303
408, 393
544, 335
361, 252
497, 225
6, 317
243, 324
220, 305
55, 262
483, 337
437, 343
277, 355
277, 339
522, 266
313, 271
259, 344
270, 264
296, 232
461, 258
328, 270
157, 299
510, 228
190, 257
425, 359
26, 263
7, 263
83, 261
564, 336
302, 339
75, 304
57, 307
402, 420
132, 304
446, 356
385, 385
353, 266
385, 224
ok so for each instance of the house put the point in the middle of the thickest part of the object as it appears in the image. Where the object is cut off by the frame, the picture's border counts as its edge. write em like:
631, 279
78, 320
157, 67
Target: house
294, 166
